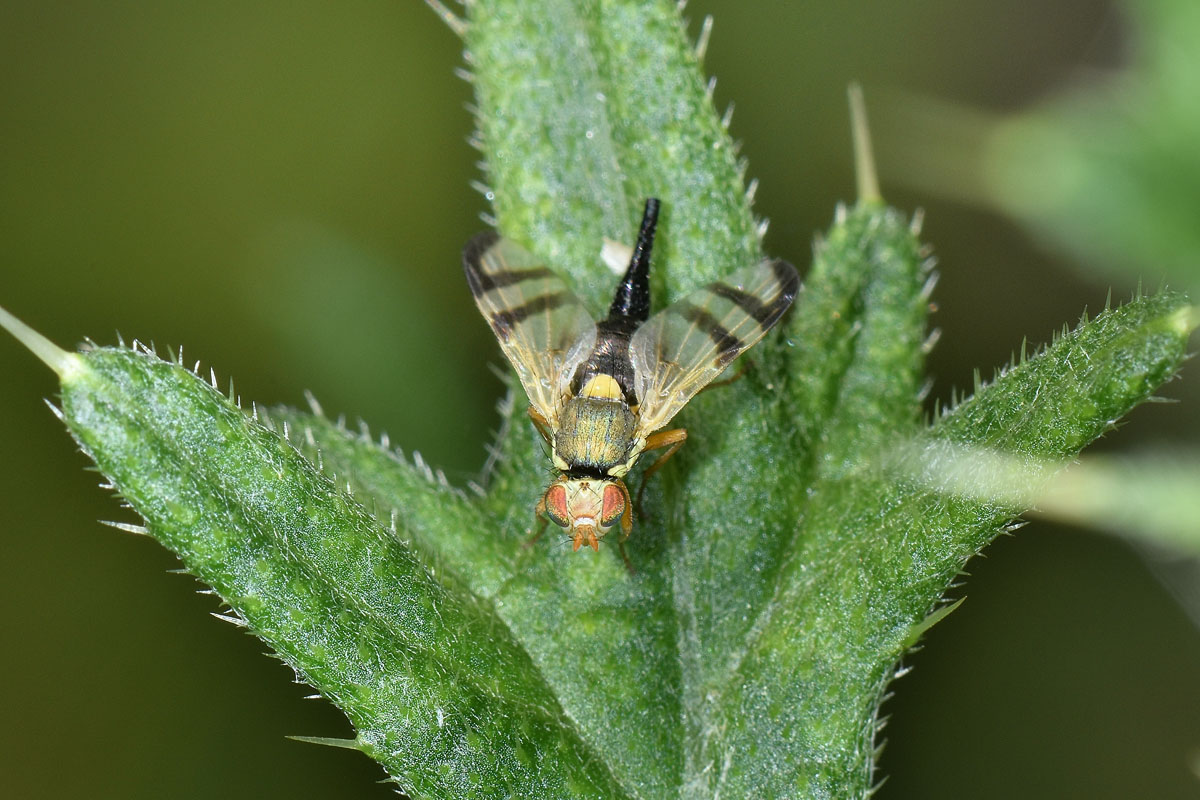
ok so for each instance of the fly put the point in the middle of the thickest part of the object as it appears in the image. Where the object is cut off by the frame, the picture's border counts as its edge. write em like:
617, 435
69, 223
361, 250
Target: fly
602, 393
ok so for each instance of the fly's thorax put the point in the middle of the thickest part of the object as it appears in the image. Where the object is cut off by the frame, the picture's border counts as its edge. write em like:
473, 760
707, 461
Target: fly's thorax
595, 435
608, 370
586, 508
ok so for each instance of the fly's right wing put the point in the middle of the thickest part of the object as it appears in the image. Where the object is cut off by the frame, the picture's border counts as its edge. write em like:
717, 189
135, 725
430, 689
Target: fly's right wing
542, 326
682, 348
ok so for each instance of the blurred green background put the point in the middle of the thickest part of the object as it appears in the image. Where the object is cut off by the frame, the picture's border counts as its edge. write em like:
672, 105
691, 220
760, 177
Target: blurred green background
283, 189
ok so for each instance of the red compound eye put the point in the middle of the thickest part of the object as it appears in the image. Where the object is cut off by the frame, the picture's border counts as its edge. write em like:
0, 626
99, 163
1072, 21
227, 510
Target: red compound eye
556, 504
614, 505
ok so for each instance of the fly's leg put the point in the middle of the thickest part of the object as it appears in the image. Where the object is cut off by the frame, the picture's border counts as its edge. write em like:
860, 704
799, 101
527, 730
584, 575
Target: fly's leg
625, 557
532, 540
672, 440
541, 423
726, 381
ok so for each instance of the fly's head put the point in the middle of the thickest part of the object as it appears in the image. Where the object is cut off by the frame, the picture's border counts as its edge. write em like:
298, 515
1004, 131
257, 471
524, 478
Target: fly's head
586, 508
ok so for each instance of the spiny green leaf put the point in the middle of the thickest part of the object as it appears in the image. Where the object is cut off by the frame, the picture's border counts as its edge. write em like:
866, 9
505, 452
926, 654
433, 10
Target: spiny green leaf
437, 520
875, 552
1054, 404
850, 372
438, 691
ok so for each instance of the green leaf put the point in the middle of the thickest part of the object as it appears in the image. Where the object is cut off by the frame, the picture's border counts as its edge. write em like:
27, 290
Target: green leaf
584, 110
437, 689
1108, 169
788, 555
876, 551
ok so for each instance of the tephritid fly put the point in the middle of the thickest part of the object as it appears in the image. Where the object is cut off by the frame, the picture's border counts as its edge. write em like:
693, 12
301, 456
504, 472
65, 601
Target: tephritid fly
601, 392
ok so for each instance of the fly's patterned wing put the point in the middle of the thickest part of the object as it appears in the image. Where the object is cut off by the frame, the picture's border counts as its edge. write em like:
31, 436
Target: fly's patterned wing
682, 348
543, 328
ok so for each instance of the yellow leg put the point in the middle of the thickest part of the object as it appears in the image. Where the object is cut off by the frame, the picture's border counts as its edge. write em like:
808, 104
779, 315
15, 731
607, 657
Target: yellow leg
532, 540
731, 379
541, 423
672, 440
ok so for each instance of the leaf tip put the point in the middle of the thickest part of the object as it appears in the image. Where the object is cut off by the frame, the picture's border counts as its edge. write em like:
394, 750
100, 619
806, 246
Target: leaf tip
342, 744
1185, 320
864, 156
933, 618
65, 365
140, 530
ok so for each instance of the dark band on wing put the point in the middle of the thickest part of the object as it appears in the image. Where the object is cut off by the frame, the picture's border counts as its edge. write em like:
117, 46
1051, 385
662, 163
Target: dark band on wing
503, 322
479, 244
480, 279
789, 286
785, 273
760, 311
720, 335
481, 282
765, 314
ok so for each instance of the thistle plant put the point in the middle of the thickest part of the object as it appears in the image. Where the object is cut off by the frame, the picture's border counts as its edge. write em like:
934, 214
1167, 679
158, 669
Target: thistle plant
788, 557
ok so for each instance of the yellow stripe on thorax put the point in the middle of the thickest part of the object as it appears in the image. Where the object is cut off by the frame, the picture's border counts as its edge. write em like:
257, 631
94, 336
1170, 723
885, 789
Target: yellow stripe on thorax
603, 386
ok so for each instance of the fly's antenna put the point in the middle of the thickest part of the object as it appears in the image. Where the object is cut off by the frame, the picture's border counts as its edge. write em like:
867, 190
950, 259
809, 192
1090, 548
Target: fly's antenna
633, 295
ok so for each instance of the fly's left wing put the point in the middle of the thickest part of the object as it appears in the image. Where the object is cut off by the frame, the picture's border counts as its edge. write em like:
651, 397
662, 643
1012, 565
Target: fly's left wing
542, 326
682, 348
